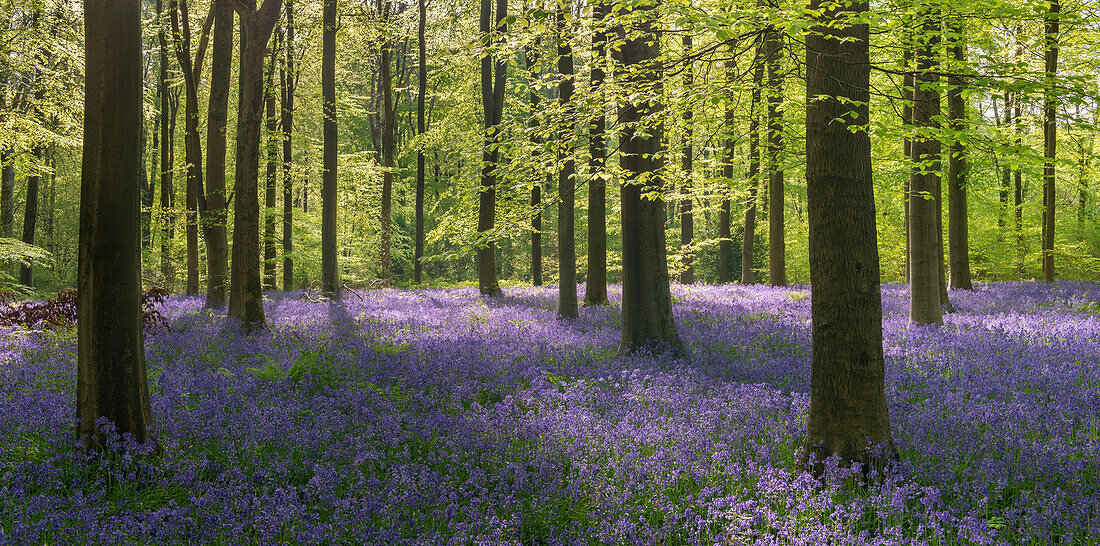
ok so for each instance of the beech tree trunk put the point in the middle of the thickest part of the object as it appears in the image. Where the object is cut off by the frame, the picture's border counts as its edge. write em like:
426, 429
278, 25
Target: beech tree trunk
725, 239
567, 257
530, 57
422, 89
330, 283
957, 236
30, 215
7, 192
777, 248
1050, 134
687, 221
908, 83
747, 273
848, 414
647, 320
492, 103
272, 135
385, 261
167, 157
215, 230
246, 293
924, 260
111, 380
595, 288
288, 78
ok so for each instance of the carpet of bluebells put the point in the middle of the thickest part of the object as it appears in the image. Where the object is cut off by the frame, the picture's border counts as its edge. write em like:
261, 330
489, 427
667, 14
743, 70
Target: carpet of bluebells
432, 417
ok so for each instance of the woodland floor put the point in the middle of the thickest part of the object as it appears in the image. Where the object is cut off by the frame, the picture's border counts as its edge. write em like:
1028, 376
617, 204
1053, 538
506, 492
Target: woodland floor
426, 417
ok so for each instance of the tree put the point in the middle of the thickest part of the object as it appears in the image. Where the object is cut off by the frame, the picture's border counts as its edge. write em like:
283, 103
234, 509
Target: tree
747, 274
330, 284
595, 288
272, 137
530, 57
1050, 132
30, 215
288, 81
647, 301
848, 414
957, 237
192, 141
687, 221
7, 192
385, 260
725, 240
111, 380
422, 88
213, 198
168, 109
493, 76
246, 295
924, 186
567, 257
777, 248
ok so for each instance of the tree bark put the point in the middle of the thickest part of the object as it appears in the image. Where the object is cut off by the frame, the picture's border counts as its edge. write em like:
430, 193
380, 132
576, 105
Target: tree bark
747, 273
595, 288
908, 84
288, 78
647, 320
167, 157
30, 215
7, 192
848, 414
924, 260
111, 380
530, 57
385, 261
687, 221
725, 239
215, 230
422, 88
246, 293
492, 103
272, 135
1050, 134
330, 283
567, 257
777, 249
957, 236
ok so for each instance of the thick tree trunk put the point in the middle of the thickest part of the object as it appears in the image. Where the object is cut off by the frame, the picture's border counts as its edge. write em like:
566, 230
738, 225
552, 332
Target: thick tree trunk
777, 248
747, 274
848, 414
30, 215
330, 283
725, 239
111, 380
567, 257
924, 260
957, 236
422, 89
215, 230
595, 288
1050, 135
647, 320
272, 136
288, 78
492, 104
246, 293
687, 221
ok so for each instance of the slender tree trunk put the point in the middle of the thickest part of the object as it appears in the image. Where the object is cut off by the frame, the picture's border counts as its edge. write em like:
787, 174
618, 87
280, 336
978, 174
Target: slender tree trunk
908, 84
30, 215
1050, 135
215, 230
924, 260
246, 293
687, 221
747, 273
272, 136
492, 102
567, 257
725, 239
167, 149
1083, 164
958, 238
7, 192
848, 413
1018, 189
777, 248
288, 77
385, 262
422, 88
595, 288
647, 319
530, 57
330, 283
111, 380
1006, 176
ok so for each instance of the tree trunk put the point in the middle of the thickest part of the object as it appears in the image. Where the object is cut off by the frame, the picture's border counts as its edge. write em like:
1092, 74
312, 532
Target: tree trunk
215, 231
385, 261
747, 273
167, 149
422, 88
272, 136
111, 380
530, 57
492, 103
567, 257
30, 215
288, 78
246, 294
687, 221
595, 288
1006, 177
725, 239
957, 236
1050, 134
7, 192
647, 320
848, 414
924, 260
330, 283
777, 249
908, 83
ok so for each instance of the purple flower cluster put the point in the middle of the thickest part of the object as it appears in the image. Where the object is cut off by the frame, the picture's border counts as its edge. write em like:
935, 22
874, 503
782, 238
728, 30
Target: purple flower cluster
424, 417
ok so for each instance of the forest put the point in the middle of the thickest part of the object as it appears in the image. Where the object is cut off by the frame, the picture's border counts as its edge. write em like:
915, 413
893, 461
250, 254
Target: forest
588, 271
